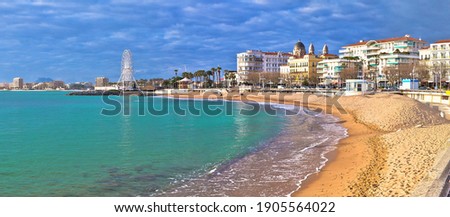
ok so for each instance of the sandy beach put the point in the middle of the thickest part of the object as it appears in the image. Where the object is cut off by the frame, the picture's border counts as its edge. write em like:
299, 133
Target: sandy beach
395, 146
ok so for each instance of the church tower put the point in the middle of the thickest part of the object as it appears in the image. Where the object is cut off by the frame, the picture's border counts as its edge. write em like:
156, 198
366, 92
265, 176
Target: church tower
325, 49
311, 49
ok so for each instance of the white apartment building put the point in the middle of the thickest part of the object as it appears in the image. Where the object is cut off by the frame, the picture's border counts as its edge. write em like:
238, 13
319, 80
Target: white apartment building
259, 61
437, 58
376, 55
328, 70
17, 83
284, 72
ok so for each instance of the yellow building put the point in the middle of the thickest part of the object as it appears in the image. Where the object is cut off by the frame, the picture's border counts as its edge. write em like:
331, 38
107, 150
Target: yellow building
303, 66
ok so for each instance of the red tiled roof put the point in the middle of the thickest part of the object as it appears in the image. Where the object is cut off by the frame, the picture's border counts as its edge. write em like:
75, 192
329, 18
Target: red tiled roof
404, 38
443, 41
276, 53
424, 48
356, 44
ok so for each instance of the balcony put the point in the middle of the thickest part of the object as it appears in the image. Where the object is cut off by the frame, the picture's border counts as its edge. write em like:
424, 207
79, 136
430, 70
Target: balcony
373, 48
392, 62
398, 46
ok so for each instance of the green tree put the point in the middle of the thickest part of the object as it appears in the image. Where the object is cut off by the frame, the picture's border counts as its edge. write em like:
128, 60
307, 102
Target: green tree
230, 77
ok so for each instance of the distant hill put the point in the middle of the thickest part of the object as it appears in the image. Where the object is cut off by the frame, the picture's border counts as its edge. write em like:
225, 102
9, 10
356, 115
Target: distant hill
39, 80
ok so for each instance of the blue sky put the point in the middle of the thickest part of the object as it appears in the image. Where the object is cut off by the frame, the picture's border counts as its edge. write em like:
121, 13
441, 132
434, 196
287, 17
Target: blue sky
80, 40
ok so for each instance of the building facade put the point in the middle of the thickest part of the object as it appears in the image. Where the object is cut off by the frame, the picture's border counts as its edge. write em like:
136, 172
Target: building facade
258, 61
303, 65
436, 58
17, 83
4, 86
101, 82
329, 70
379, 55
284, 72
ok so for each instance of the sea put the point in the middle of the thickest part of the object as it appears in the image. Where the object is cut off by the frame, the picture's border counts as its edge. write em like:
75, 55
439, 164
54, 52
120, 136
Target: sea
54, 145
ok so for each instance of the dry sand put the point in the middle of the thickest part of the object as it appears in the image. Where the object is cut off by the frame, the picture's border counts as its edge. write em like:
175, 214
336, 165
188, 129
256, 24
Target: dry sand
393, 147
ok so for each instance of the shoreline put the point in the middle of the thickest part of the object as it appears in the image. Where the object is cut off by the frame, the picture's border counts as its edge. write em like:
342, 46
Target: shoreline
337, 160
365, 162
348, 153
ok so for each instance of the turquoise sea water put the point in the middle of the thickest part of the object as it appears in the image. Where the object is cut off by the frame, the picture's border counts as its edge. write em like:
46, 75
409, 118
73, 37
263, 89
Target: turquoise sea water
57, 145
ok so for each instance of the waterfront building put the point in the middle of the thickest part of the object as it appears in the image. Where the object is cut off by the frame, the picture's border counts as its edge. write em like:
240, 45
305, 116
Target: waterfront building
101, 82
17, 83
39, 86
4, 86
28, 86
303, 65
55, 85
256, 61
329, 70
436, 59
284, 73
378, 56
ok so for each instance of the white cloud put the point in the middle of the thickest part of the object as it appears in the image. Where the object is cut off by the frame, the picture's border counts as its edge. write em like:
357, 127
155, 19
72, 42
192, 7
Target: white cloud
258, 2
172, 34
311, 8
122, 36
84, 16
256, 20
190, 9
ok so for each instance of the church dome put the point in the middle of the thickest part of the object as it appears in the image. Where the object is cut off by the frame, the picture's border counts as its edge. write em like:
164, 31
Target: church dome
299, 46
299, 49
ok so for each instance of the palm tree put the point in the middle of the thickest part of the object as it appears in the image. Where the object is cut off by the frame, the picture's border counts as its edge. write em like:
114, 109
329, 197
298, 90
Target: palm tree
209, 73
196, 75
230, 76
214, 70
185, 74
226, 74
218, 72
176, 72
202, 74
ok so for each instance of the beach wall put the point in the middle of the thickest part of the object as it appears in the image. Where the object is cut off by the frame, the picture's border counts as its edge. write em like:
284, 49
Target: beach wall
429, 97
